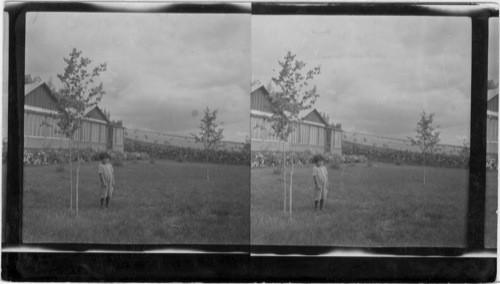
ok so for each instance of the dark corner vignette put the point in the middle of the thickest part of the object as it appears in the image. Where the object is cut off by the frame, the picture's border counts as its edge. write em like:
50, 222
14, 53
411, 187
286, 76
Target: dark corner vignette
12, 221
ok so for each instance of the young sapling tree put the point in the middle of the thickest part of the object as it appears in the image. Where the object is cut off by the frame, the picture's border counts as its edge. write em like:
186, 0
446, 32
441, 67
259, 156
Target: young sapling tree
210, 134
79, 94
291, 96
427, 136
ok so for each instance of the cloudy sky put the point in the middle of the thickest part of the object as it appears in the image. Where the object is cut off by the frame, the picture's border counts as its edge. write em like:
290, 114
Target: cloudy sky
161, 67
378, 73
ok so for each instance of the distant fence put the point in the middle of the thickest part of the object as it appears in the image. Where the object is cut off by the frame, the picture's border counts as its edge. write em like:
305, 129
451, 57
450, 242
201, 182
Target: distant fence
168, 139
394, 143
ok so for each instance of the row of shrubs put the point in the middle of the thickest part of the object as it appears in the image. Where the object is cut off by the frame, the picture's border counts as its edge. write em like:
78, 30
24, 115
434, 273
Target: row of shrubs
169, 152
375, 154
389, 155
136, 150
353, 153
275, 158
50, 156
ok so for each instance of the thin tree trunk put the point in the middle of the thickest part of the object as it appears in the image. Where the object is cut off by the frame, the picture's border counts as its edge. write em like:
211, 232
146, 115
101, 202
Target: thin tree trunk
424, 168
77, 175
70, 176
284, 179
208, 177
291, 178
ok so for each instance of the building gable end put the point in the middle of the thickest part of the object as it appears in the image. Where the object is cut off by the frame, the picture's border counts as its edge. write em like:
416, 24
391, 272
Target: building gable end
314, 116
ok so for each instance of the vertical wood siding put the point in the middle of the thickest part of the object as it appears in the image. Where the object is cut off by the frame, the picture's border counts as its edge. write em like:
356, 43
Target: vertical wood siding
259, 100
305, 137
492, 129
314, 117
41, 130
493, 104
41, 98
95, 114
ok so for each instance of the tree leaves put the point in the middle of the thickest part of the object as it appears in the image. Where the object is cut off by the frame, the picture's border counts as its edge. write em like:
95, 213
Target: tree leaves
292, 95
79, 93
427, 137
30, 79
210, 135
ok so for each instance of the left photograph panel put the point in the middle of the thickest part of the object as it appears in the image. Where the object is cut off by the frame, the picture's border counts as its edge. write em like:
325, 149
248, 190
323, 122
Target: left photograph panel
136, 128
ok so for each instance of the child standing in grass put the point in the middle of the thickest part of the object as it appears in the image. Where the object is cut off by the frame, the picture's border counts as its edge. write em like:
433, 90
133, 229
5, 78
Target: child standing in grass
107, 179
320, 176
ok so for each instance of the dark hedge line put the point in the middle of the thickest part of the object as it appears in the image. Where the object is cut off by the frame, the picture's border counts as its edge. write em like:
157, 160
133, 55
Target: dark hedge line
158, 151
389, 155
51, 156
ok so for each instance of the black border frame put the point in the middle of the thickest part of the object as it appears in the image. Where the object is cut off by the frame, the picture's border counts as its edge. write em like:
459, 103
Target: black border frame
136, 266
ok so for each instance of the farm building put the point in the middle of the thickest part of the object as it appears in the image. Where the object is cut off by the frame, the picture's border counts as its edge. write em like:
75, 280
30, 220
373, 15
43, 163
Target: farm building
492, 123
313, 133
41, 129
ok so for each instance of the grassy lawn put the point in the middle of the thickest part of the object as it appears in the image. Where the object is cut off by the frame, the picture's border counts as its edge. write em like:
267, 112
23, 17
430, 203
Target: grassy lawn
161, 203
380, 206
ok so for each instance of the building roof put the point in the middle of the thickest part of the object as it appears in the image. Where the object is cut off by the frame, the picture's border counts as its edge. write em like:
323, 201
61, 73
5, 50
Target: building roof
28, 88
492, 93
255, 88
315, 115
306, 115
96, 113
47, 100
493, 103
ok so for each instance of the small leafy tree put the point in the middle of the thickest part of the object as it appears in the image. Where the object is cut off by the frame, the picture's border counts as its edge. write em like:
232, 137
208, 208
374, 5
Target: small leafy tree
79, 94
51, 86
255, 83
210, 135
326, 117
492, 84
465, 154
246, 146
30, 79
291, 96
427, 137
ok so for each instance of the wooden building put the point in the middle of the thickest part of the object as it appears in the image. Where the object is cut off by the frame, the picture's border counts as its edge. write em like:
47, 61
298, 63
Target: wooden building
492, 123
312, 134
41, 129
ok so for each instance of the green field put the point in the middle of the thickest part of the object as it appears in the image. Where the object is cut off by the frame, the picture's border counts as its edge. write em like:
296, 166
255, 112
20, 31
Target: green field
380, 206
162, 203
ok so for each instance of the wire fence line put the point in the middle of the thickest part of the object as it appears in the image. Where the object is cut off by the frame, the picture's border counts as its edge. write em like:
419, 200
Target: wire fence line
163, 138
391, 142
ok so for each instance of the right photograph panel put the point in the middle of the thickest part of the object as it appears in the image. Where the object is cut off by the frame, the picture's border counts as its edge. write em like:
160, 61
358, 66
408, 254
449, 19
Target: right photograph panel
360, 131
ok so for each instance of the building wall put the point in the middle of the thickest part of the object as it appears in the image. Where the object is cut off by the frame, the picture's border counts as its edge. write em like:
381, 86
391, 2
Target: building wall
314, 117
303, 134
311, 135
118, 138
259, 100
492, 134
493, 104
336, 141
278, 146
40, 142
306, 137
41, 130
